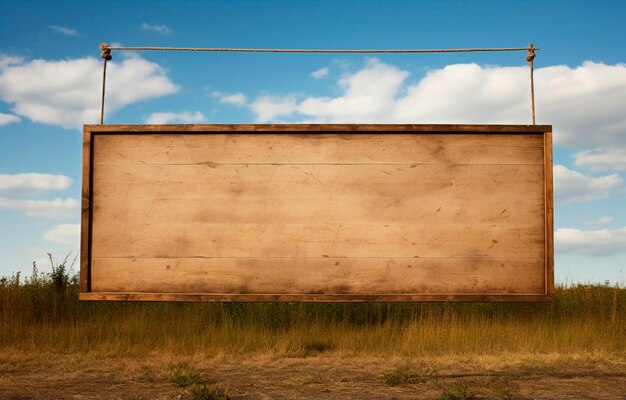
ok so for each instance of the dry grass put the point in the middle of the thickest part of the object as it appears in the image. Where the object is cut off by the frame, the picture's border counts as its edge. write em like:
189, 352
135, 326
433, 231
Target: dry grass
48, 339
324, 376
43, 313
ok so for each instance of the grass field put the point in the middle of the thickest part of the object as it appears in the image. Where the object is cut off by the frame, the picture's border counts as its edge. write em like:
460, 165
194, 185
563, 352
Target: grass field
41, 315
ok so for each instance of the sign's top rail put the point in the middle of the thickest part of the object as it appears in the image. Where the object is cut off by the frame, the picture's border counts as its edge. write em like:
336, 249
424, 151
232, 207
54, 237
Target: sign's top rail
107, 49
319, 128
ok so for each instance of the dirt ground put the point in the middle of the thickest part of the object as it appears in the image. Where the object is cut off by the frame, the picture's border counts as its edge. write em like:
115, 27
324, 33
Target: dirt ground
318, 376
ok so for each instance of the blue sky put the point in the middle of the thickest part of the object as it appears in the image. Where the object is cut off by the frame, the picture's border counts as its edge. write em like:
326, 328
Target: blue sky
50, 76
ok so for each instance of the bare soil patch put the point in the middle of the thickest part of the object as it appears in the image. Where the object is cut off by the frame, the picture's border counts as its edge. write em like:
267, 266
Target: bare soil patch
321, 376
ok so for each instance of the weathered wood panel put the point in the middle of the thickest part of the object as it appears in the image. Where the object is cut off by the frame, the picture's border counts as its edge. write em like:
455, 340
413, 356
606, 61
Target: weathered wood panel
322, 148
341, 275
549, 211
85, 225
366, 211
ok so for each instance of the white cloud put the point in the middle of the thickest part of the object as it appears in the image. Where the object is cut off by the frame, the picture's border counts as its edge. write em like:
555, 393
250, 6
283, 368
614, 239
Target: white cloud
599, 243
6, 60
6, 119
378, 93
162, 29
236, 99
320, 73
267, 108
611, 159
572, 187
600, 221
64, 234
467, 93
63, 30
369, 96
32, 183
67, 92
56, 208
585, 104
175, 118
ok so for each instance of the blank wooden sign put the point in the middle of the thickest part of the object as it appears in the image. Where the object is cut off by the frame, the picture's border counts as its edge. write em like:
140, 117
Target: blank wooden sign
317, 213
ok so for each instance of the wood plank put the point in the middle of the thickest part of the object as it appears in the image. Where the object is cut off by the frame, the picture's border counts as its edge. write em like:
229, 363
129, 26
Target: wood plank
151, 206
312, 298
358, 148
451, 181
549, 216
265, 194
320, 275
85, 230
316, 240
254, 128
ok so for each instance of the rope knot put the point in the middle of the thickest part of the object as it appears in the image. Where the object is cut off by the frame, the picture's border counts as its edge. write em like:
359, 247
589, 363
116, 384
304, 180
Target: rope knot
106, 51
531, 53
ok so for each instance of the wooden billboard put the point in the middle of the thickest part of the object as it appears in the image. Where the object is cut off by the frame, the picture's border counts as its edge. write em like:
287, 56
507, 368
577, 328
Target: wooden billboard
347, 213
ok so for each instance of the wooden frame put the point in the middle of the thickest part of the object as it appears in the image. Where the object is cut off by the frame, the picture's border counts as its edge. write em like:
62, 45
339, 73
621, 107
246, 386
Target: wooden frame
542, 213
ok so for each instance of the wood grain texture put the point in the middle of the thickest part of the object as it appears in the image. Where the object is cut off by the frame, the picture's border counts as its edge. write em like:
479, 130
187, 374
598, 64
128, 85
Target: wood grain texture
323, 148
549, 215
312, 298
85, 226
347, 210
316, 128
319, 213
467, 275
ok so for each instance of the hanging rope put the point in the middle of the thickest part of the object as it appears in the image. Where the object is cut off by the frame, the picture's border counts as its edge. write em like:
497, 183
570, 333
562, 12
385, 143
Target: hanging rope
530, 57
106, 55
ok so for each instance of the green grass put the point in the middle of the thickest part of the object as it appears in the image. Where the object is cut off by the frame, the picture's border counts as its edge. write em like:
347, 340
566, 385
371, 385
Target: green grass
457, 391
42, 313
204, 392
183, 375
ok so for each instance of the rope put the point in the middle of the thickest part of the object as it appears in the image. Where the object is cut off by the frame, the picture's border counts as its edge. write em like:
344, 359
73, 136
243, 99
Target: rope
530, 57
106, 56
358, 51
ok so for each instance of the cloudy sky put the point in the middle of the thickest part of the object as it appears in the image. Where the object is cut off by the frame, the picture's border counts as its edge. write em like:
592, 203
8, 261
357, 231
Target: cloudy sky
50, 73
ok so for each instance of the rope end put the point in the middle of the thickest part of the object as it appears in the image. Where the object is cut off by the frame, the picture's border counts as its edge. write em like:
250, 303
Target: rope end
106, 51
